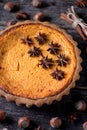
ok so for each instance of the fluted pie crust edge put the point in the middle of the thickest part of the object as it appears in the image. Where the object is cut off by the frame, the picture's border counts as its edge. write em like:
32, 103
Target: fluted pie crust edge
46, 100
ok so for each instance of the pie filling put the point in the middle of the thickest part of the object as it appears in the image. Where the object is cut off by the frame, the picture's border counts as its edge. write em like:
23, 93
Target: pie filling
36, 61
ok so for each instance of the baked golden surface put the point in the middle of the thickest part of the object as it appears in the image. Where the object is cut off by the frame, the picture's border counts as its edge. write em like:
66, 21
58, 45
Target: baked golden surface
23, 75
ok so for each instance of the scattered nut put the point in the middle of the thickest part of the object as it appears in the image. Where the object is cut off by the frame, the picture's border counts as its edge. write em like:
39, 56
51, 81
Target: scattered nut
84, 125
39, 17
2, 115
55, 122
22, 16
38, 128
9, 6
80, 105
11, 22
23, 122
36, 3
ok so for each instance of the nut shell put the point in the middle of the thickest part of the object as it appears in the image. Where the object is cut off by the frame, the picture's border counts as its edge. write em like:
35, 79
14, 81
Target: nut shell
38, 128
81, 105
39, 16
2, 115
23, 122
9, 6
55, 122
84, 125
22, 15
36, 3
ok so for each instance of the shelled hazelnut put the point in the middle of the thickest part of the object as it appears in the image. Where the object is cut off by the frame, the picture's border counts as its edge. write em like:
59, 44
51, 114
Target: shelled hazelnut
84, 125
81, 105
22, 16
39, 16
36, 3
55, 122
2, 115
23, 122
9, 6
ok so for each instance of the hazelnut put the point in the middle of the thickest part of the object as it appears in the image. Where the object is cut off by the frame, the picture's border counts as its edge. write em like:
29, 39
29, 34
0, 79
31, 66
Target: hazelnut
2, 115
9, 6
55, 122
39, 17
80, 105
23, 122
38, 128
22, 16
11, 22
84, 125
36, 3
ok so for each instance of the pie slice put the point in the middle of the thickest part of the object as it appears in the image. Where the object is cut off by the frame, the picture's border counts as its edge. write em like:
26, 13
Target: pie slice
39, 63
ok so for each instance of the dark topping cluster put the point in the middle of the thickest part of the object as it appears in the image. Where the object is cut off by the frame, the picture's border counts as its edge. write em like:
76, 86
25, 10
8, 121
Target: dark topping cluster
41, 38
27, 40
54, 48
58, 74
46, 62
35, 52
62, 60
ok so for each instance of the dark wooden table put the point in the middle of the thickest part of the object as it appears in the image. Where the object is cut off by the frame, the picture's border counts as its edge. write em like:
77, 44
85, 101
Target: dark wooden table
41, 116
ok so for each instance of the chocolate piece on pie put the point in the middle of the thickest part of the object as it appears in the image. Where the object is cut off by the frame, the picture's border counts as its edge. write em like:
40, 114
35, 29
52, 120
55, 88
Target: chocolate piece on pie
29, 74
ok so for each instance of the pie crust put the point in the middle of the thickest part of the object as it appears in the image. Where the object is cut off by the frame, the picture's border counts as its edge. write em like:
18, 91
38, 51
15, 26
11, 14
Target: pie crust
45, 97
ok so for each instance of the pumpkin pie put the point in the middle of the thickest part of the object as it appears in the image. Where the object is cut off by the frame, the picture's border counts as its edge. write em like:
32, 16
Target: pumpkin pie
39, 63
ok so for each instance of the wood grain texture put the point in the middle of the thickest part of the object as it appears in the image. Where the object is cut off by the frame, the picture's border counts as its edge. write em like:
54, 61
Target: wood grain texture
41, 116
